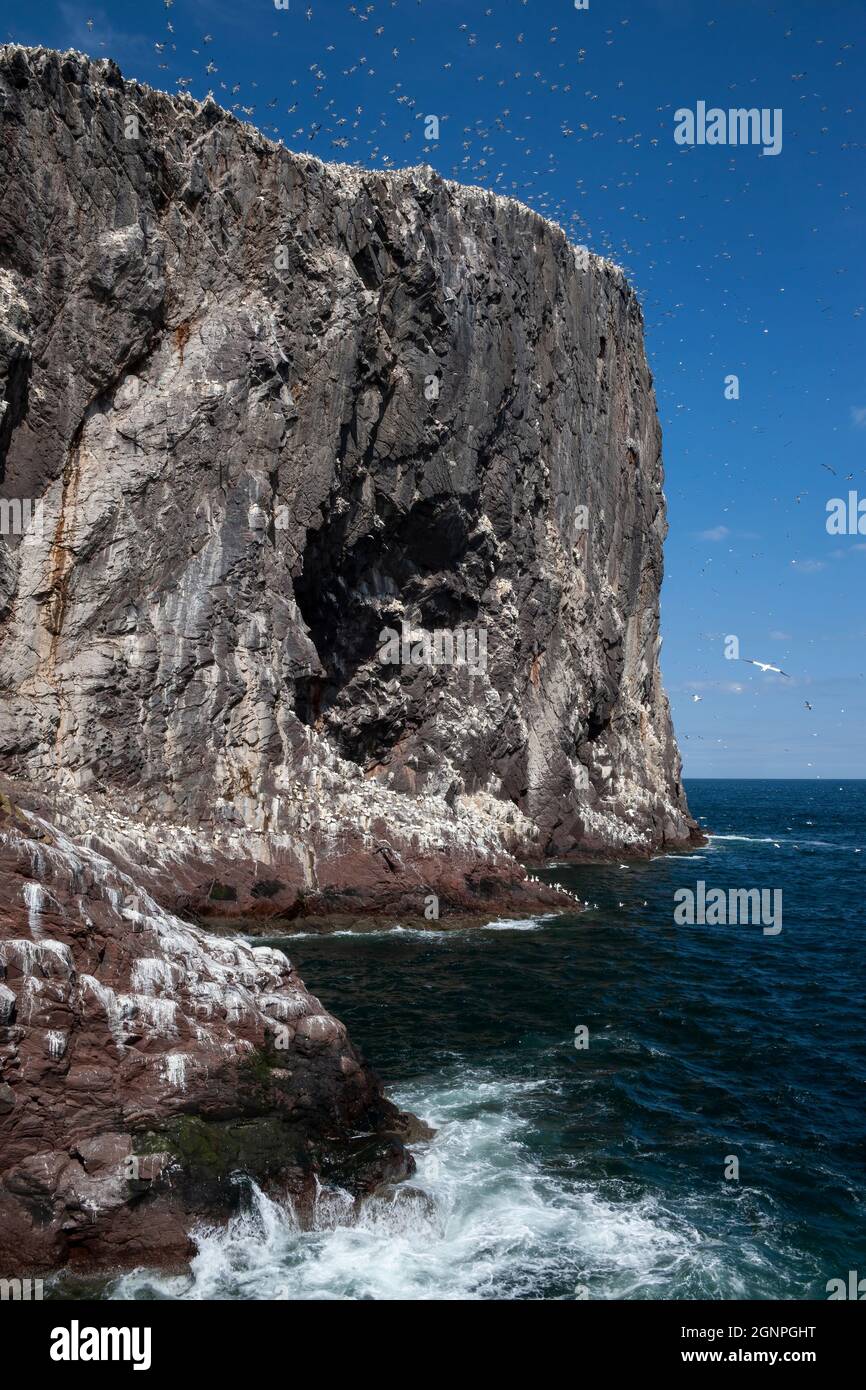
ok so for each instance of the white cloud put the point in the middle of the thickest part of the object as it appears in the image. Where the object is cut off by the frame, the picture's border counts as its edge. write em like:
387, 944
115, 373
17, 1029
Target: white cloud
729, 687
718, 533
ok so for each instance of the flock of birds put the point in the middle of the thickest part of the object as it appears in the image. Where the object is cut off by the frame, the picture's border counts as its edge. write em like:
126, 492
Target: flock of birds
520, 91
331, 122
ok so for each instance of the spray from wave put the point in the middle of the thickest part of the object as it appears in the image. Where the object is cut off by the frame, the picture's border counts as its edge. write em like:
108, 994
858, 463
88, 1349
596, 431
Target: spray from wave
481, 1220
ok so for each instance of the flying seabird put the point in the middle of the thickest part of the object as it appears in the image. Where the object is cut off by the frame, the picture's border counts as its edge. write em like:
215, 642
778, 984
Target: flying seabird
765, 666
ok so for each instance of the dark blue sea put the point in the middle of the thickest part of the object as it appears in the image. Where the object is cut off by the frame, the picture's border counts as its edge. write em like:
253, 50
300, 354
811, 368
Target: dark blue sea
600, 1173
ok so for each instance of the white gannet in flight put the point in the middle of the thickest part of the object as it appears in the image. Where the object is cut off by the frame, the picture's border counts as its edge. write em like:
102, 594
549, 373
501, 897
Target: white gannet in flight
765, 666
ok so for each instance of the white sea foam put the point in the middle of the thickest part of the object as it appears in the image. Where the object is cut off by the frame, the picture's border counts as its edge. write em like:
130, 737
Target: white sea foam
481, 1219
515, 924
784, 840
409, 933
749, 839
427, 933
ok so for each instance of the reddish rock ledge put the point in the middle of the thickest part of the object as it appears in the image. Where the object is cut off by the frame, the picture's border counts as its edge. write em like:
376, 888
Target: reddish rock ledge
150, 1070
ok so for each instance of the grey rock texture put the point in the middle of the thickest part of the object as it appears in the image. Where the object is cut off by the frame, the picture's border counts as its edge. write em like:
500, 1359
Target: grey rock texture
257, 412
272, 407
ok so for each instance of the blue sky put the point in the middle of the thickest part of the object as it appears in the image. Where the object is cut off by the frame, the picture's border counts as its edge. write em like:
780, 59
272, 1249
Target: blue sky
745, 263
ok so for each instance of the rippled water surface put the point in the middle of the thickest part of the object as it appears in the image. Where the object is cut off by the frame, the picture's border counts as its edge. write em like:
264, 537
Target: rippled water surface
600, 1172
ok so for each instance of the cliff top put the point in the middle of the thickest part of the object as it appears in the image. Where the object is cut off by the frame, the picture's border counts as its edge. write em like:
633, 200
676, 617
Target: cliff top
106, 72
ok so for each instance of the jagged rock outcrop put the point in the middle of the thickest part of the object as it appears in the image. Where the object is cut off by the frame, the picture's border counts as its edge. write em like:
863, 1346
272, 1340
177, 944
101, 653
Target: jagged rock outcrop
147, 1066
258, 412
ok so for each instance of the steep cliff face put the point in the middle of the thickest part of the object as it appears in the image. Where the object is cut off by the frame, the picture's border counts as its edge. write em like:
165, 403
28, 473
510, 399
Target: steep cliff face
272, 408
259, 413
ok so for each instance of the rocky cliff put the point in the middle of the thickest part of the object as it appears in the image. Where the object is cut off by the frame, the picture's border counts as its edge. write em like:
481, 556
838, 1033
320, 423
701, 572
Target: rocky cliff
149, 1070
268, 427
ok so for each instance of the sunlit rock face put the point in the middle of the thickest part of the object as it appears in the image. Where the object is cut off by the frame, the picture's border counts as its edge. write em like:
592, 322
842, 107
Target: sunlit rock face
272, 408
263, 418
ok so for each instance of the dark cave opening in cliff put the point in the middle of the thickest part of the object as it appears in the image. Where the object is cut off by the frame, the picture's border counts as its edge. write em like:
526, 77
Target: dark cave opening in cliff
421, 562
